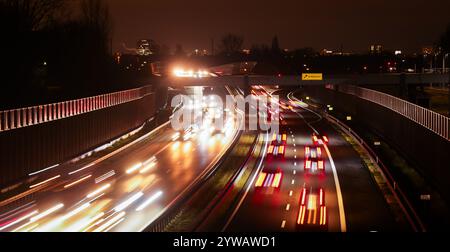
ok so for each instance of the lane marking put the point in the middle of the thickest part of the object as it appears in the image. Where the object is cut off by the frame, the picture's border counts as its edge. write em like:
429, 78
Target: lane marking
283, 224
336, 178
293, 181
338, 191
288, 206
264, 151
121, 148
290, 193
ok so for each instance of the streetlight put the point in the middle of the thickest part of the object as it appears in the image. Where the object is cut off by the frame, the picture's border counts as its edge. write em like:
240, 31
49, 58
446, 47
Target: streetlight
443, 62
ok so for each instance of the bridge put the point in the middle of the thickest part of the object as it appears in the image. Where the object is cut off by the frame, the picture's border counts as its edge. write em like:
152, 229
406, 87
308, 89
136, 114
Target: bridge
296, 80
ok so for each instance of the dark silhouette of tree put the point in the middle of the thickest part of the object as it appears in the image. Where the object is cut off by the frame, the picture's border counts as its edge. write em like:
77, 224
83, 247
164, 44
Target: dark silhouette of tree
30, 15
231, 44
444, 40
275, 49
179, 51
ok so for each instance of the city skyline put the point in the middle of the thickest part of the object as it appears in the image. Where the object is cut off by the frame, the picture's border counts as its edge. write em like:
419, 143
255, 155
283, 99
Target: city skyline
350, 25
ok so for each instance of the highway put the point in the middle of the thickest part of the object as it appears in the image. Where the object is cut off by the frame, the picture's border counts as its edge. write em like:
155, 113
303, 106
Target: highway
306, 178
350, 196
124, 190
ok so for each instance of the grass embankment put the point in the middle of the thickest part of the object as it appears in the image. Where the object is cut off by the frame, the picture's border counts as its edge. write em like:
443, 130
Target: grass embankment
439, 100
408, 177
187, 217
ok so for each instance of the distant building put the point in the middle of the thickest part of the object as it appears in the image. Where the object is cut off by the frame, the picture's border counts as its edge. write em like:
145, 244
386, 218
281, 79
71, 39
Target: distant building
376, 49
326, 52
427, 50
199, 52
146, 47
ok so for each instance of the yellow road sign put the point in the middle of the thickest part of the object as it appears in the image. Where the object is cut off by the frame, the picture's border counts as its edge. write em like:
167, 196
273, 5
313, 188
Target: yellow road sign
312, 76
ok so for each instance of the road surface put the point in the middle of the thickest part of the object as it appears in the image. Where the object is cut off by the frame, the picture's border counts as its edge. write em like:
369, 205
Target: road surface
122, 191
352, 198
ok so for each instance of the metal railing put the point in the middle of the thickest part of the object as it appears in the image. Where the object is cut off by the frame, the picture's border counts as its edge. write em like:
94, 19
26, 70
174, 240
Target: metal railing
431, 120
406, 206
23, 117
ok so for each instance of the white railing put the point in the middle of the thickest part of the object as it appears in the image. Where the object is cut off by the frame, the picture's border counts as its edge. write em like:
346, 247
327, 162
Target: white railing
431, 120
23, 117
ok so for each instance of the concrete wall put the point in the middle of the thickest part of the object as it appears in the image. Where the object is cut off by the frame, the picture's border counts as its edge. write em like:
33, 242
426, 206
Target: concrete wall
428, 151
32, 148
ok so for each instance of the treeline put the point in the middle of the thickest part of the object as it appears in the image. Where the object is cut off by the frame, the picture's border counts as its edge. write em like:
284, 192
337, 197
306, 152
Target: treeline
54, 50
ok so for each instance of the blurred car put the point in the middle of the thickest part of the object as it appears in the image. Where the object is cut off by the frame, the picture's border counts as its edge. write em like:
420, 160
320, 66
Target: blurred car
317, 140
275, 151
279, 139
185, 135
313, 160
269, 178
312, 214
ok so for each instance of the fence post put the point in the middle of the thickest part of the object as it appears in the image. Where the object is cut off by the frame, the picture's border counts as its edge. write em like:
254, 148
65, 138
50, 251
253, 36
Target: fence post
13, 120
30, 115
18, 116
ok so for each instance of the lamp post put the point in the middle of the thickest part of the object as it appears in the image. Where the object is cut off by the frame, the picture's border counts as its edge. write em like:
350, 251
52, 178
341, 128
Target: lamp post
443, 62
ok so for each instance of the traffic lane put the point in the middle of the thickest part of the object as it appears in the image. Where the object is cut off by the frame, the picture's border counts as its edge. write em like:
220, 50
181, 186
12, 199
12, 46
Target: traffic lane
364, 203
301, 137
36, 183
256, 206
57, 193
277, 210
119, 163
179, 167
365, 206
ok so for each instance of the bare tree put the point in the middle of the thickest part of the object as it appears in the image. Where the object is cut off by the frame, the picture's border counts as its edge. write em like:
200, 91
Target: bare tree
444, 40
95, 15
231, 44
32, 14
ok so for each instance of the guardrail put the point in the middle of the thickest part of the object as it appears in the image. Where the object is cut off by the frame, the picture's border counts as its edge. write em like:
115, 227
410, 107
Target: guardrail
406, 206
23, 117
431, 120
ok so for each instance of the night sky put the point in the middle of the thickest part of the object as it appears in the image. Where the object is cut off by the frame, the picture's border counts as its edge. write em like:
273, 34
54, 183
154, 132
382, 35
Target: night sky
354, 24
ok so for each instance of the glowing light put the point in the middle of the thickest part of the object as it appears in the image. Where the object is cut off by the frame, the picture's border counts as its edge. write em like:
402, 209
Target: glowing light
281, 149
134, 168
270, 150
98, 191
307, 164
176, 136
45, 181
110, 222
105, 176
320, 165
18, 220
260, 179
276, 181
93, 219
47, 212
77, 181
187, 147
128, 202
149, 200
76, 211
147, 168
45, 169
